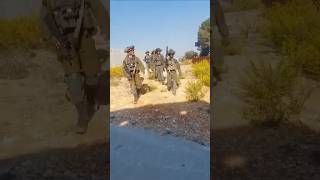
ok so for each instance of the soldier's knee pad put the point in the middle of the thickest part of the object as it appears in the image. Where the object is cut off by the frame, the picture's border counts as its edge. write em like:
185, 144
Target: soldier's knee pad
75, 92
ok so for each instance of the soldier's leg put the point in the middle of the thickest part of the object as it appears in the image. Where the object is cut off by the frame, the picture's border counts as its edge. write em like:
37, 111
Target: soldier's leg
75, 93
169, 81
134, 90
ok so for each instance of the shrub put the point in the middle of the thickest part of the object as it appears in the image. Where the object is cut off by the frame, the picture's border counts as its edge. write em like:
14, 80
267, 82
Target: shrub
194, 90
190, 54
293, 29
24, 32
271, 94
116, 72
201, 70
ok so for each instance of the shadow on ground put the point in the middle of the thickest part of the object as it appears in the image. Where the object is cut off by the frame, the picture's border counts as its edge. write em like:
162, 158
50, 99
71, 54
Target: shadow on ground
82, 162
286, 152
190, 120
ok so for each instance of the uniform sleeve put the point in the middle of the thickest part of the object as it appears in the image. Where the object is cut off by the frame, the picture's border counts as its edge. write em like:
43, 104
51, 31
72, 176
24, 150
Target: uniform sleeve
140, 65
178, 66
220, 19
125, 70
50, 30
101, 12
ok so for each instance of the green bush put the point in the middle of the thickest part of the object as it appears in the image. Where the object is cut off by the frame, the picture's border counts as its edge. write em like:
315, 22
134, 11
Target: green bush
201, 70
294, 30
194, 90
271, 94
116, 72
22, 32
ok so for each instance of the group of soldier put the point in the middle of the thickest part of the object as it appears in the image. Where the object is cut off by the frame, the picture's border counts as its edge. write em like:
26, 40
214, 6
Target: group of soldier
156, 64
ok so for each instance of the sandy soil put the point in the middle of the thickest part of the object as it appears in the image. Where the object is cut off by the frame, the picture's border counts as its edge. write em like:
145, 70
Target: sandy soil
160, 110
37, 124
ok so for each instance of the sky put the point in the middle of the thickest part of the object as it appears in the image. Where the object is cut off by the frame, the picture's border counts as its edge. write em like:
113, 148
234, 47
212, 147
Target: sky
148, 24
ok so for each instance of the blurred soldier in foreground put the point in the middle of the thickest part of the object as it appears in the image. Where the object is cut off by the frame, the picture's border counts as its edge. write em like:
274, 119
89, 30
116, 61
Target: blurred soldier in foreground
70, 26
132, 66
159, 62
218, 19
147, 60
172, 67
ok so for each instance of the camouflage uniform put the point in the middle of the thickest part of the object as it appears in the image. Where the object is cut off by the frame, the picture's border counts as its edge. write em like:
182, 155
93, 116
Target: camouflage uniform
76, 51
159, 63
218, 19
147, 60
152, 64
132, 66
172, 66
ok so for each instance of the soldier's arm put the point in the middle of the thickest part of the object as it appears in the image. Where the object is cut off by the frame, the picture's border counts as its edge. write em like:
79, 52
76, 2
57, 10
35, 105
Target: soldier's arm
140, 65
48, 26
125, 71
220, 19
178, 66
101, 13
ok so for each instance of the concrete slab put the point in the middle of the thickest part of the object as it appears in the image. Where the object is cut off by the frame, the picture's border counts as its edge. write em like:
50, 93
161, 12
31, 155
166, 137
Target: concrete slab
144, 155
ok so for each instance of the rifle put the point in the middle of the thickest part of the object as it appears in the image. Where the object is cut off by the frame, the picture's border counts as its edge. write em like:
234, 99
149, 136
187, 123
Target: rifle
166, 57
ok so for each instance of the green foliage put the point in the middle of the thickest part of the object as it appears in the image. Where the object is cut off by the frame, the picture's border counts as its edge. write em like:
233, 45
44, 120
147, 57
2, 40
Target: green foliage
22, 32
271, 93
294, 30
116, 72
244, 5
204, 34
201, 70
190, 54
194, 90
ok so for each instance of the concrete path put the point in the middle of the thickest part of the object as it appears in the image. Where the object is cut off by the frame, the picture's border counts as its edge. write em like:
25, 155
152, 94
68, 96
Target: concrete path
140, 154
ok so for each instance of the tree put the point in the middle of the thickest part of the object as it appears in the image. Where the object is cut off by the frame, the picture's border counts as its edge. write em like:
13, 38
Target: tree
190, 54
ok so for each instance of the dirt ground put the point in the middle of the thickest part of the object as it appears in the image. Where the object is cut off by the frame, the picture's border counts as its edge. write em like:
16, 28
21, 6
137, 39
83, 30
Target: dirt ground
160, 110
37, 124
241, 151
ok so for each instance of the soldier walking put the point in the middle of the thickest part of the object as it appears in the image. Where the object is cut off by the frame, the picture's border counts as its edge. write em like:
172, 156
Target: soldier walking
132, 66
172, 67
147, 60
70, 26
159, 62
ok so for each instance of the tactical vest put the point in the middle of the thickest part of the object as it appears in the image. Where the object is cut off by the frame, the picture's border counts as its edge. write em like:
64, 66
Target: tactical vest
157, 60
66, 14
130, 64
171, 65
147, 59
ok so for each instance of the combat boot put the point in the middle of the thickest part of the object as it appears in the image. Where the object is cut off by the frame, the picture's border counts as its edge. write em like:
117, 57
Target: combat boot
83, 118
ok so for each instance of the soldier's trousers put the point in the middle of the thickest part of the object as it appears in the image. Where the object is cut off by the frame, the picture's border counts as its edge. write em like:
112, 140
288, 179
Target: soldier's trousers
159, 73
172, 77
135, 85
81, 78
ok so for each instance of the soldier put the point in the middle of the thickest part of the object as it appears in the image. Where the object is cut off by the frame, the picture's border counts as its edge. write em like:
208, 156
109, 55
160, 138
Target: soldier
218, 19
70, 26
152, 64
172, 67
132, 66
147, 60
159, 62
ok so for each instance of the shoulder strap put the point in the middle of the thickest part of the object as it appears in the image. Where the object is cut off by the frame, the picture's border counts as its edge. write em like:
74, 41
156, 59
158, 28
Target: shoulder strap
80, 20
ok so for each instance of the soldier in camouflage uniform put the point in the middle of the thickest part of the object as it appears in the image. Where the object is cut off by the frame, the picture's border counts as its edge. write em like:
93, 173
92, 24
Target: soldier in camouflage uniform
152, 64
132, 66
159, 63
147, 60
172, 67
218, 19
70, 26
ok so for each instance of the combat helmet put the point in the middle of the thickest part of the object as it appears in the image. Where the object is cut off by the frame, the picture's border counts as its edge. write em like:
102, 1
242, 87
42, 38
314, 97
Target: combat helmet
147, 52
171, 52
158, 50
129, 48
